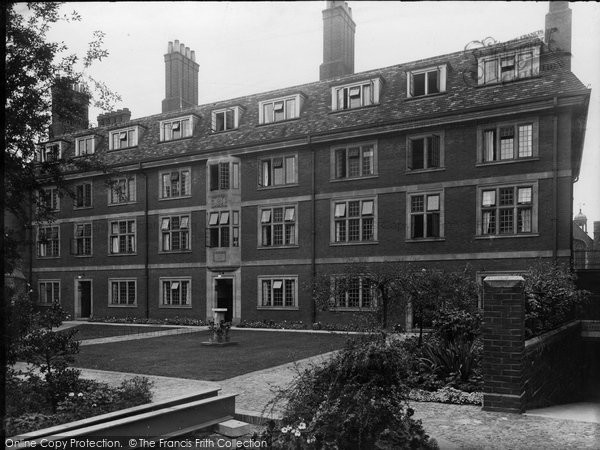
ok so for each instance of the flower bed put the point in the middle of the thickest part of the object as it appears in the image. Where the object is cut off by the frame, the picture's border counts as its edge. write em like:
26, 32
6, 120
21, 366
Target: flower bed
26, 409
136, 320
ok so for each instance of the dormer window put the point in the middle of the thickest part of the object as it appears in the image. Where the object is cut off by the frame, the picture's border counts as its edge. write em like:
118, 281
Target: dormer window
280, 109
431, 80
124, 138
173, 129
509, 66
355, 95
50, 152
85, 145
225, 119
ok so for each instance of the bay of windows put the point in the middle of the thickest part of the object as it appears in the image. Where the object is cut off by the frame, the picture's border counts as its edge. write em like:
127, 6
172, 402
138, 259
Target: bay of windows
223, 229
509, 66
50, 198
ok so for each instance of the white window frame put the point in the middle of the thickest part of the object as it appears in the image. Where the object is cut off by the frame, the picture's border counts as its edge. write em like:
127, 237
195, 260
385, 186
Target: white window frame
166, 134
180, 186
126, 235
89, 139
357, 90
362, 148
83, 239
295, 114
165, 228
270, 282
442, 78
54, 299
83, 196
178, 287
410, 158
497, 127
267, 180
334, 300
120, 304
339, 215
521, 61
130, 187
226, 126
427, 209
266, 221
135, 130
515, 206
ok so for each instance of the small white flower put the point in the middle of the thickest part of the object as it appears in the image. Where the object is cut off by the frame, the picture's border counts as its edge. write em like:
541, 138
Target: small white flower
94, 405
284, 430
297, 433
71, 394
302, 426
80, 395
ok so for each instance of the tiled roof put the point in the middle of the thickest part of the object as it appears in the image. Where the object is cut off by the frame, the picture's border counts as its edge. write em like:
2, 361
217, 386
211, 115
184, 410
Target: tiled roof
462, 94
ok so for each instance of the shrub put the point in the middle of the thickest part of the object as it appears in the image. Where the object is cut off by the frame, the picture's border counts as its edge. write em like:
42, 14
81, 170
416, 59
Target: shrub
355, 400
552, 298
454, 359
453, 324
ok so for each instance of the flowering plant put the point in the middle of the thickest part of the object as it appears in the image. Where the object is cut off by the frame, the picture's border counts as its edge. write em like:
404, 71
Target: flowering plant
219, 332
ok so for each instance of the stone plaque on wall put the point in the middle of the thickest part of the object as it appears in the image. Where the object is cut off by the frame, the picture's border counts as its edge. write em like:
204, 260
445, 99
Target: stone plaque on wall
218, 201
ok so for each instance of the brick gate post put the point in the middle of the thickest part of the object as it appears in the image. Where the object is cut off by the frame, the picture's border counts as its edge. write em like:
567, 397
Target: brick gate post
503, 333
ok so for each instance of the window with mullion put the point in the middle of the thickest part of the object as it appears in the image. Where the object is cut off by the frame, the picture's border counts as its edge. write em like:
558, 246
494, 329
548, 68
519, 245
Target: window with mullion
278, 226
176, 293
278, 292
354, 161
48, 292
83, 196
176, 183
83, 239
424, 152
123, 139
122, 190
508, 142
354, 221
221, 226
122, 236
48, 242
122, 292
84, 146
219, 175
175, 234
176, 129
507, 210
425, 216
49, 198
354, 292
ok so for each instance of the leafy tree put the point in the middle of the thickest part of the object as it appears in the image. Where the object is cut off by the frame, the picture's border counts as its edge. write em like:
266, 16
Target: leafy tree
33, 66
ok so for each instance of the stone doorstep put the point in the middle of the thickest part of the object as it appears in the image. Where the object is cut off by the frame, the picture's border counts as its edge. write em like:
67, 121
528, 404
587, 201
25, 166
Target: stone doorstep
233, 428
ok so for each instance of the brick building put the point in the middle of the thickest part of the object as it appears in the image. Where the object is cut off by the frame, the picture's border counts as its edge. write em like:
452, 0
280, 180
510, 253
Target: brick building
463, 158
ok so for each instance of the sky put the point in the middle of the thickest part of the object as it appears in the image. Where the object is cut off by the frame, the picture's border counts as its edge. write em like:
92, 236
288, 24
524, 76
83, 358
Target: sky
251, 47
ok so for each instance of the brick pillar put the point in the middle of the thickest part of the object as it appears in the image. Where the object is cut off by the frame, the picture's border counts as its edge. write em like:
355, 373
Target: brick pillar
503, 344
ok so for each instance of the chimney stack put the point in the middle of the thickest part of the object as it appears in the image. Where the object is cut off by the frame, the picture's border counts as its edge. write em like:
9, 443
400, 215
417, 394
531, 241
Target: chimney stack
338, 41
596, 235
114, 117
70, 107
181, 78
558, 30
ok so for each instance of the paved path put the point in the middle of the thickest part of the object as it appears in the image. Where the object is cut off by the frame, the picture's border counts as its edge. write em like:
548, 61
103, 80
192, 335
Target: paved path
454, 426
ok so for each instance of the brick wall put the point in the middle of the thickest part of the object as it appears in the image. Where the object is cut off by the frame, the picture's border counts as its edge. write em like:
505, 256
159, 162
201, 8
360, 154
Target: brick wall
560, 353
503, 343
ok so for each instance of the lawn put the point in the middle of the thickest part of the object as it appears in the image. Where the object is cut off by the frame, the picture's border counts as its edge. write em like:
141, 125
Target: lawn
94, 331
183, 356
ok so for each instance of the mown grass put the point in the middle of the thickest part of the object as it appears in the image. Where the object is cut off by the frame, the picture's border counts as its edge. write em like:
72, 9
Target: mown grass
183, 356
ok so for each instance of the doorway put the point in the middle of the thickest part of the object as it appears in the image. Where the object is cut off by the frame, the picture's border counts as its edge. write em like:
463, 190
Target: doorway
84, 299
224, 296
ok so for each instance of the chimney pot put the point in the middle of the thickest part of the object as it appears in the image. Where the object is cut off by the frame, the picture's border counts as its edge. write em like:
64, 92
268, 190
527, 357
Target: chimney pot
170, 47
182, 49
176, 45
